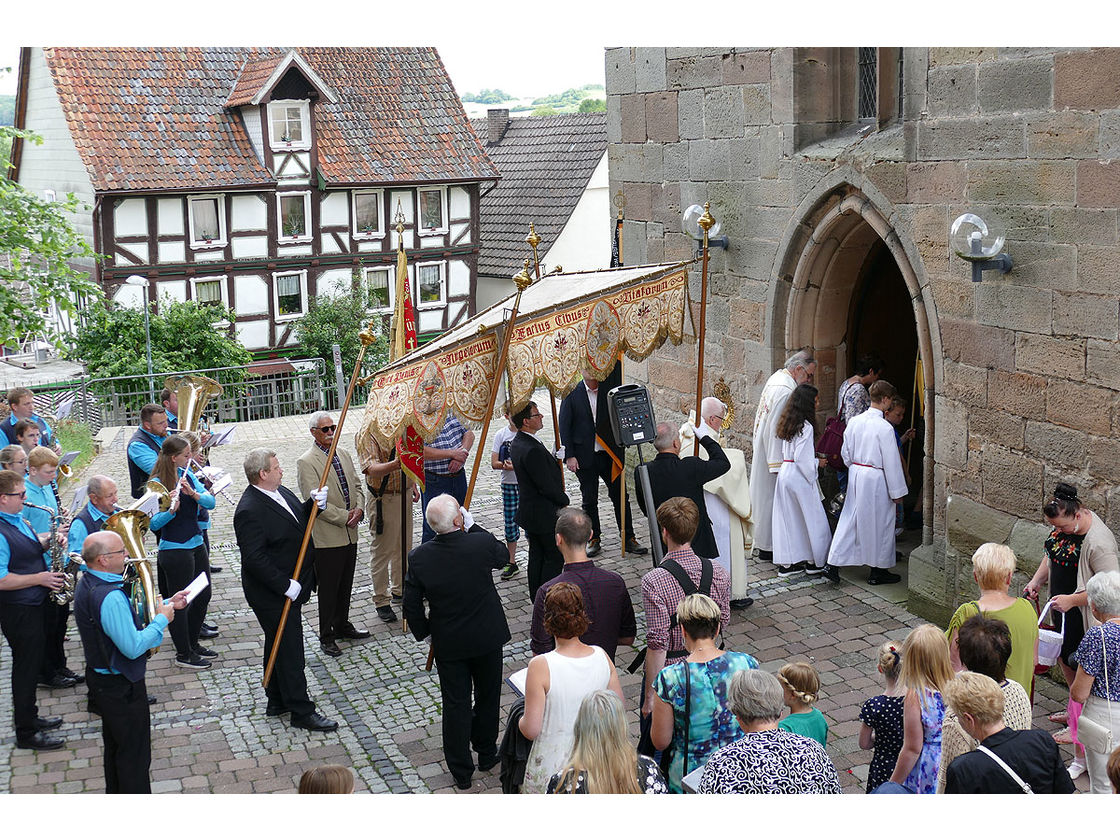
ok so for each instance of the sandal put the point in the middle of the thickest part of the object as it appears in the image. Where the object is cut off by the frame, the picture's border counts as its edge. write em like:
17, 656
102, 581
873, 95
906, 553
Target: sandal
1063, 736
1061, 717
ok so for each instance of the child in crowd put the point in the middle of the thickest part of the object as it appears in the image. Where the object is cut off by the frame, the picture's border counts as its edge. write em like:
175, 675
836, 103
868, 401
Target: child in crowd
801, 686
330, 778
925, 670
894, 417
14, 458
27, 434
500, 460
882, 718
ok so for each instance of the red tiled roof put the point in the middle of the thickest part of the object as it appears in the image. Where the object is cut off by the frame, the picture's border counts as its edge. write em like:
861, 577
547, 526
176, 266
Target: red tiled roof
157, 118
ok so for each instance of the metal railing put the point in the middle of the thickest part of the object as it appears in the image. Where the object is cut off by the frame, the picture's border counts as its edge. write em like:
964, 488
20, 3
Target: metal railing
262, 390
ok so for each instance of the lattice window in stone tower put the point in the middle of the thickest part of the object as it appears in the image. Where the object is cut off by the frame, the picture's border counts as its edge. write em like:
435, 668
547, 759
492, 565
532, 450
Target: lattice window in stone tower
868, 61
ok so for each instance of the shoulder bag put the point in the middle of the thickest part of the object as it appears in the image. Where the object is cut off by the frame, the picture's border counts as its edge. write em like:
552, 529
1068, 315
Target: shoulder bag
1023, 786
1092, 735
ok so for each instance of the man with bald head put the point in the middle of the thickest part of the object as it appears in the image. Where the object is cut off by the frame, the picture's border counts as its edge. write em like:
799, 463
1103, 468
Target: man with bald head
766, 458
116, 660
101, 501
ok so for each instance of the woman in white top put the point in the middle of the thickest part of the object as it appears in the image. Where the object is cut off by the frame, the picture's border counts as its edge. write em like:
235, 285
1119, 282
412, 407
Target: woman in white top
557, 683
801, 533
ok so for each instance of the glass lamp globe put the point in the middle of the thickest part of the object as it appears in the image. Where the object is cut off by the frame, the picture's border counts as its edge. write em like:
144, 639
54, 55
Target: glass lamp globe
972, 238
690, 223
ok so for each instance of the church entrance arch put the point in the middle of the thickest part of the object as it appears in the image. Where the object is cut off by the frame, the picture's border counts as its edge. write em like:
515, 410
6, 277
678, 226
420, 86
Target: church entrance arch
852, 290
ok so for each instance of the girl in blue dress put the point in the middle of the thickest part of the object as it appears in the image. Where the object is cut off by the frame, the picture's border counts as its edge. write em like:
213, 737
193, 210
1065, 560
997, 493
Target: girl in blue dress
925, 670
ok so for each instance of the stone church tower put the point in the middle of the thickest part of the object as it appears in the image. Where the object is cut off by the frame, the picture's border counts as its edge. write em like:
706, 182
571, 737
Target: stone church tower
836, 173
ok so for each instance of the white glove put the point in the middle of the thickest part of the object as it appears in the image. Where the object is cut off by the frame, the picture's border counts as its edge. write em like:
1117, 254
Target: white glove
468, 520
701, 432
320, 497
293, 590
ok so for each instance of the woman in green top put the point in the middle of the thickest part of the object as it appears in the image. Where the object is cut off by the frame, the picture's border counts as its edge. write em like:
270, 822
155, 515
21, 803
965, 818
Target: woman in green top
801, 686
992, 566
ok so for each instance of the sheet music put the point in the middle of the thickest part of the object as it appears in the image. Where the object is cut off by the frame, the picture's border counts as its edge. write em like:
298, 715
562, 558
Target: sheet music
517, 680
64, 409
68, 458
151, 506
198, 585
223, 437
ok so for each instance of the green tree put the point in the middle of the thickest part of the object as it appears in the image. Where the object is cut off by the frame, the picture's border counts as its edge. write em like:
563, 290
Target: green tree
186, 335
338, 320
592, 106
38, 249
544, 111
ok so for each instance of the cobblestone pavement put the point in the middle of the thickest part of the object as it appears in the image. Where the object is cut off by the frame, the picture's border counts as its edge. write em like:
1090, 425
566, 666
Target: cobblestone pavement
210, 733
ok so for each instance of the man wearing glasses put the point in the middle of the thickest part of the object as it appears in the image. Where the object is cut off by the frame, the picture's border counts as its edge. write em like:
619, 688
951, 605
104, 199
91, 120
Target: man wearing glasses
335, 532
25, 580
540, 480
116, 661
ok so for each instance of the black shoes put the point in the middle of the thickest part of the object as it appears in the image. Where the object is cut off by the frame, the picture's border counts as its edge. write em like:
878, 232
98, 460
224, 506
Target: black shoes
58, 681
635, 547
593, 550
386, 614
349, 631
215, 569
314, 722
813, 571
191, 660
485, 764
44, 723
330, 648
41, 741
463, 784
741, 603
792, 569
881, 576
766, 556
205, 652
831, 573
207, 633
509, 571
77, 678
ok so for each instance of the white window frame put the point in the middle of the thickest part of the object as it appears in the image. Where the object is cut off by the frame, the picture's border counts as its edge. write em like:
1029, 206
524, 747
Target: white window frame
283, 239
276, 275
222, 239
223, 284
305, 125
423, 231
432, 304
391, 285
379, 233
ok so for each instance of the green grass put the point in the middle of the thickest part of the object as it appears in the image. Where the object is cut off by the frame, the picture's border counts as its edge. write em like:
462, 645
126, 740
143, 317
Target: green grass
74, 435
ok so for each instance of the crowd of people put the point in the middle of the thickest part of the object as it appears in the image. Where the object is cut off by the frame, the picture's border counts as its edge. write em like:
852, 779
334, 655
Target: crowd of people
954, 716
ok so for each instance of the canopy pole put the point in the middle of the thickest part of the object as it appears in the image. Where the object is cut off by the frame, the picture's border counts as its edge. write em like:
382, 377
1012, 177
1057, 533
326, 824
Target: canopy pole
706, 221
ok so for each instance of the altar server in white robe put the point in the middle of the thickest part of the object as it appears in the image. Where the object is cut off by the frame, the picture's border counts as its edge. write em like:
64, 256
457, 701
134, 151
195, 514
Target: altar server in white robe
865, 534
799, 368
801, 533
727, 498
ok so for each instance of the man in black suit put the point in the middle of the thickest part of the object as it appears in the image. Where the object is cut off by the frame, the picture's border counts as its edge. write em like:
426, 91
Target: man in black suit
670, 475
269, 523
590, 451
540, 482
454, 573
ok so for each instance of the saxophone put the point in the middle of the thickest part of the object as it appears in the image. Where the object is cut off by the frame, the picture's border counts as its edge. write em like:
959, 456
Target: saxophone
61, 561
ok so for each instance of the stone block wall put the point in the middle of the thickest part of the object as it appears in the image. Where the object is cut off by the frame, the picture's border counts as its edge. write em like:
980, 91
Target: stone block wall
1028, 368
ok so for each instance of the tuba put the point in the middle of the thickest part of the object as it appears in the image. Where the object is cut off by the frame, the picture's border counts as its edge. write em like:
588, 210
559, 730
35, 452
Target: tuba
131, 524
193, 393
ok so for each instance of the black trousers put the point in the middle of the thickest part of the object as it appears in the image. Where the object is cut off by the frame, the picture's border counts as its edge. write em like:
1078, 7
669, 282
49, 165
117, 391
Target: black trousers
22, 625
176, 568
287, 686
545, 560
589, 492
55, 618
125, 729
334, 569
466, 725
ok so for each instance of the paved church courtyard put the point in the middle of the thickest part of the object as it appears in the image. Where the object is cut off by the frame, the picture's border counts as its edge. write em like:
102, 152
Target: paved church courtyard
210, 733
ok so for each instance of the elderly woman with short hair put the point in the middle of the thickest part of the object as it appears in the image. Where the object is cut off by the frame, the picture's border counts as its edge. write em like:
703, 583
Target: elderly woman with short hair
766, 759
1097, 684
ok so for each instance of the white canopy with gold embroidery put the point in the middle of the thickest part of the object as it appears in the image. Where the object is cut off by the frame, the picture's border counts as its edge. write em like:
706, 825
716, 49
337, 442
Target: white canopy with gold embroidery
566, 322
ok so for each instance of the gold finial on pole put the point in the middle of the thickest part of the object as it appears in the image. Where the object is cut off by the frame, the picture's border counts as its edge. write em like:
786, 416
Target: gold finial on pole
534, 240
523, 279
399, 219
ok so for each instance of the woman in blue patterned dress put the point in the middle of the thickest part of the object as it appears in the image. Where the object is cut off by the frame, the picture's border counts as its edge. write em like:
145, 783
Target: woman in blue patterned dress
1097, 683
925, 670
700, 685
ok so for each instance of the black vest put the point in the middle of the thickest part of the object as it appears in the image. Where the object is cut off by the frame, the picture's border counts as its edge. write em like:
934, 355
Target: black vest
184, 524
9, 429
136, 475
26, 558
86, 518
98, 647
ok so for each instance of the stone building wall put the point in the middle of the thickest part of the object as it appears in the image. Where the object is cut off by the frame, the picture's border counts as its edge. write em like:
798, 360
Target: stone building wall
1024, 366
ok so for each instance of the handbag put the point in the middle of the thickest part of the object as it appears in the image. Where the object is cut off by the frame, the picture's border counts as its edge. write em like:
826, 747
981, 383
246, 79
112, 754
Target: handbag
1092, 735
831, 442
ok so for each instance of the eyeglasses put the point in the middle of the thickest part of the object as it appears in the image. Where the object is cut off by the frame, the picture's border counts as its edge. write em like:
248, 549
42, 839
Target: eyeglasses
22, 495
718, 417
325, 429
538, 414
112, 553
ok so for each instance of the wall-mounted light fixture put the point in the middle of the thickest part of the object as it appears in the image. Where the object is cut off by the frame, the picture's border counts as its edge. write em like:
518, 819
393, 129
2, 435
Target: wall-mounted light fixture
981, 243
690, 224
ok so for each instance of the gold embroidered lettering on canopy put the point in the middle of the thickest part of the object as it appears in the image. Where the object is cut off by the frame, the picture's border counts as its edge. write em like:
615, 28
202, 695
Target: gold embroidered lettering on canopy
565, 322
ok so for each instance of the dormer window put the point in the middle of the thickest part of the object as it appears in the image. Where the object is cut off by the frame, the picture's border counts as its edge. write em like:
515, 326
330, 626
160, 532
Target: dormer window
289, 124
207, 221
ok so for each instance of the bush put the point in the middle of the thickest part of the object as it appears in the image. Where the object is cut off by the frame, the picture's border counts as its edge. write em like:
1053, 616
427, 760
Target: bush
338, 320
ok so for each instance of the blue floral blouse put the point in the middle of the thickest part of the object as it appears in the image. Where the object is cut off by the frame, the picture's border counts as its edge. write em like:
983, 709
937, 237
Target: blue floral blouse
1098, 652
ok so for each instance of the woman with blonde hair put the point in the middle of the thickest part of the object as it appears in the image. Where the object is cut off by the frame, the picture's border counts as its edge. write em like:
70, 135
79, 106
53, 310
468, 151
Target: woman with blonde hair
925, 670
603, 760
992, 567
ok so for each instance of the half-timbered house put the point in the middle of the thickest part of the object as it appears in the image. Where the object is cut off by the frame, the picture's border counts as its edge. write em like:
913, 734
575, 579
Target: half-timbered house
259, 178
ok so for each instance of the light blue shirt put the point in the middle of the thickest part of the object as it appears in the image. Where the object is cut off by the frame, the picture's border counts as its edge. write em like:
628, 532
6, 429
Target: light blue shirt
116, 621
46, 436
6, 551
78, 532
205, 500
142, 456
39, 520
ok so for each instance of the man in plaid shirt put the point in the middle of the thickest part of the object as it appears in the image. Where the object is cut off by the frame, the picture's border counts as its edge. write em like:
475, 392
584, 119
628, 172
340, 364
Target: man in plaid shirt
444, 466
678, 519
